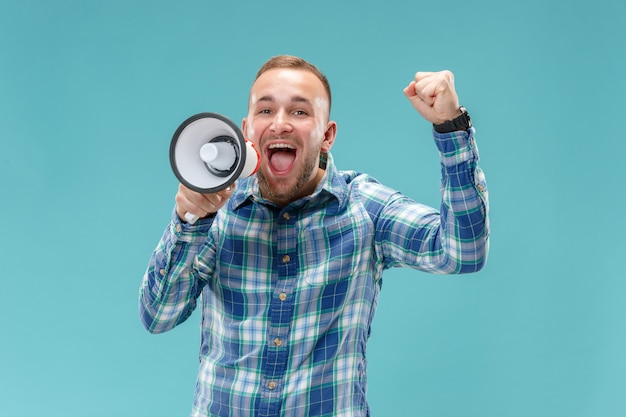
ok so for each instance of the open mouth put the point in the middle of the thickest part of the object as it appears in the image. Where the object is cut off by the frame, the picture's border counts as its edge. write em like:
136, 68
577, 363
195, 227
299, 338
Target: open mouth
281, 157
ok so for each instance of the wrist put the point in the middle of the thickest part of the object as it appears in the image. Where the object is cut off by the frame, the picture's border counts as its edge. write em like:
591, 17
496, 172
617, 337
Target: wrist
461, 122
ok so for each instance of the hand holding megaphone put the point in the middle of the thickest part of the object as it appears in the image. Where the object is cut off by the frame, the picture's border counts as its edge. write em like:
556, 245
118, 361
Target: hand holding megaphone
208, 153
201, 205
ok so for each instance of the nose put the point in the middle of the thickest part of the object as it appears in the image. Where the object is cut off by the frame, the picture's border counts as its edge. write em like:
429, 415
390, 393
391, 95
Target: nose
280, 123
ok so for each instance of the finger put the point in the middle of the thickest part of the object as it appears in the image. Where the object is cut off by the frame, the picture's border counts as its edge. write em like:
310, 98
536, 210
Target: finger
424, 75
409, 90
416, 100
189, 201
434, 82
446, 74
227, 192
186, 203
428, 89
201, 205
219, 198
211, 203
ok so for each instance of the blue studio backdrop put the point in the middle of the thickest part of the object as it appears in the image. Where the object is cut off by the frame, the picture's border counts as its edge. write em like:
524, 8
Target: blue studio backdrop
91, 93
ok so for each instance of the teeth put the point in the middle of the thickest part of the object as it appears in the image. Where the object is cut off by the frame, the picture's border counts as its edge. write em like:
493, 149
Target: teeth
280, 146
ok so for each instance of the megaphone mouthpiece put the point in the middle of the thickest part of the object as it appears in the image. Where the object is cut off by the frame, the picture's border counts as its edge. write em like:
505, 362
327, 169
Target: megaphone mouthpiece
220, 156
208, 153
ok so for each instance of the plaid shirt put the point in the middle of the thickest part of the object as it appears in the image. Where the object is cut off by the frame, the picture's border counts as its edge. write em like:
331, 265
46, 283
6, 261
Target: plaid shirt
288, 295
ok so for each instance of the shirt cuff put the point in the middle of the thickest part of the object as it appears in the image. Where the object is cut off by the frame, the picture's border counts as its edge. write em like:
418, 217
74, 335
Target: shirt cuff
456, 147
187, 232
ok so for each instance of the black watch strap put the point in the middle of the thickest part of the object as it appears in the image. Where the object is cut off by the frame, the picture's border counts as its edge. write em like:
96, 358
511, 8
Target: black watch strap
463, 122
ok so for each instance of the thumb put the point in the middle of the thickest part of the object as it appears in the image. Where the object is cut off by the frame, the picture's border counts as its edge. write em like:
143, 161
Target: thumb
409, 90
420, 105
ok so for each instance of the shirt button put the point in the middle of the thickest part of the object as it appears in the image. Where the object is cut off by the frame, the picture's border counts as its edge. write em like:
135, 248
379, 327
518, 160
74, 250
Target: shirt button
282, 296
278, 342
162, 272
178, 228
286, 216
286, 259
272, 385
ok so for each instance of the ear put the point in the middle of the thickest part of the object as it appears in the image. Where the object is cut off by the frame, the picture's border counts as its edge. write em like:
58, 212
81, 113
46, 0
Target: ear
244, 126
329, 136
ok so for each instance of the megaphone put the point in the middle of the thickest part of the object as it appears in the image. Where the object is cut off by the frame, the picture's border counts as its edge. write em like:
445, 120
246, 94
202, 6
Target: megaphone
208, 153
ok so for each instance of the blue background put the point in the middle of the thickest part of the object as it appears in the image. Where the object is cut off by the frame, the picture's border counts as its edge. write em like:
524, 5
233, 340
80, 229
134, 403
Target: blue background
91, 93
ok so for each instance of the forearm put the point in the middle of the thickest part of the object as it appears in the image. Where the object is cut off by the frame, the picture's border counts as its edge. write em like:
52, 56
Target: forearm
451, 240
464, 228
170, 287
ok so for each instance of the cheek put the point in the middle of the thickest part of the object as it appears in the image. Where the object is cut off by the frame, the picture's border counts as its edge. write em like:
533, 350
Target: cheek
321, 106
318, 131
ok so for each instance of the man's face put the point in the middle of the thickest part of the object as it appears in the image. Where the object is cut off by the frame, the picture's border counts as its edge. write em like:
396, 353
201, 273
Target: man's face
288, 122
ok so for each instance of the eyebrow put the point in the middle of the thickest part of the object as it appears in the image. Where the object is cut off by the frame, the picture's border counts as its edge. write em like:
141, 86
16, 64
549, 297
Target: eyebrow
295, 99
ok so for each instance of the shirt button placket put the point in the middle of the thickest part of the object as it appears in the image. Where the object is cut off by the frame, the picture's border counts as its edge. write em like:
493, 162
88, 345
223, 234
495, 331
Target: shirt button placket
281, 309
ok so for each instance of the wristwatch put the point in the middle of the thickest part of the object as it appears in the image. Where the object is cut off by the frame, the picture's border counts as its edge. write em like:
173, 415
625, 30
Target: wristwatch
463, 122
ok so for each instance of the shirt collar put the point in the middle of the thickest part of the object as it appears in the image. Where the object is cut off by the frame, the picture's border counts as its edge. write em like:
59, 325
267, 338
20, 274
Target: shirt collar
330, 186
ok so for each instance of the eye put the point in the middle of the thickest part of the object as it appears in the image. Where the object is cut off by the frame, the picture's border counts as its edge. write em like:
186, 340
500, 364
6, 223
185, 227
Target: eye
265, 111
300, 113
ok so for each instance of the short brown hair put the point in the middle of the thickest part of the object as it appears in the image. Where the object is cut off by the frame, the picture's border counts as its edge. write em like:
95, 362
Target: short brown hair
294, 62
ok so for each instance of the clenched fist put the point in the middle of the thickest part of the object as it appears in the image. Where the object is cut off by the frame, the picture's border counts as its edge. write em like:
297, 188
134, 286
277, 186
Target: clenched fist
433, 96
190, 203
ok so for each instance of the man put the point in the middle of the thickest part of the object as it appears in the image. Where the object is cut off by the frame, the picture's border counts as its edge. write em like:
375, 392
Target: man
289, 263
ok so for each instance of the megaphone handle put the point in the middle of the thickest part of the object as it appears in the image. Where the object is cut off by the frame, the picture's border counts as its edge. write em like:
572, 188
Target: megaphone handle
191, 218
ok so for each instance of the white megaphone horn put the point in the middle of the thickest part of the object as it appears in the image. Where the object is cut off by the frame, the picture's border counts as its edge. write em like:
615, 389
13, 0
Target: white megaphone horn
208, 153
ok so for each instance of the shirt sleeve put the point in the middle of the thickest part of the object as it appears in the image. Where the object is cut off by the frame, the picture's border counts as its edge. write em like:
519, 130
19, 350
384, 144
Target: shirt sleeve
170, 287
453, 240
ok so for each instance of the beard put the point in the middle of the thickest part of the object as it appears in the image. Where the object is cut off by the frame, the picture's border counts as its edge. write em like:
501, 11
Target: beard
293, 193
